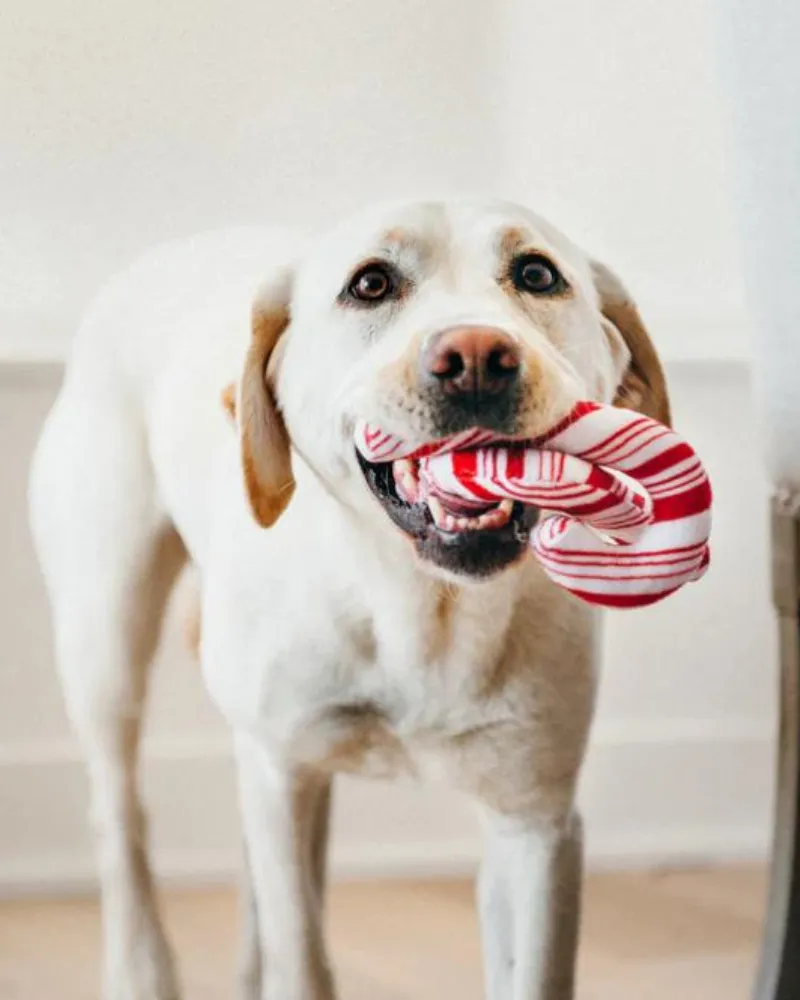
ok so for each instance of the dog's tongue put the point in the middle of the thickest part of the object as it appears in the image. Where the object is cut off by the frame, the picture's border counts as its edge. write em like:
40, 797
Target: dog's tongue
459, 507
456, 505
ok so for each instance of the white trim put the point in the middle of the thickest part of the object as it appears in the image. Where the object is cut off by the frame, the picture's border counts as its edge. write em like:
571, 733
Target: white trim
680, 848
684, 847
639, 731
607, 733
384, 861
693, 337
680, 338
164, 748
32, 346
644, 797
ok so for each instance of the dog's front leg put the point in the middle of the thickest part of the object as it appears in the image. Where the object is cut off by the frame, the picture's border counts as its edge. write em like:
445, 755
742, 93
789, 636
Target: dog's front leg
529, 899
281, 808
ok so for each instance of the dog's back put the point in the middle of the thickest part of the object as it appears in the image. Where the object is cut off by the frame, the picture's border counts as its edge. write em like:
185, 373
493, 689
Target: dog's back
148, 365
163, 339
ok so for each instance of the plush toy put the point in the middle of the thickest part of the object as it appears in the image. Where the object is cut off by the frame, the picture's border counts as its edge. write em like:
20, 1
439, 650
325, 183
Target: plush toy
625, 501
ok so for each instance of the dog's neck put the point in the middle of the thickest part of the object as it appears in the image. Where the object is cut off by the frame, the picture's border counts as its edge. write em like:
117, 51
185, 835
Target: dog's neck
420, 609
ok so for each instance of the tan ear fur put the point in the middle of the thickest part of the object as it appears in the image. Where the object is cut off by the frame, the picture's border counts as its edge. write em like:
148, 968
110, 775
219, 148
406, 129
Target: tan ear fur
643, 386
265, 451
228, 400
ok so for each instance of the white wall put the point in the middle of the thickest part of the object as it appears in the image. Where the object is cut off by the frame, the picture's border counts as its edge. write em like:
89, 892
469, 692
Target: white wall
611, 122
127, 123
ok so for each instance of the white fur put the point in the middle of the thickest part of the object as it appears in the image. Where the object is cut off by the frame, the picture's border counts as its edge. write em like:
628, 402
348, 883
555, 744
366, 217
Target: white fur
327, 611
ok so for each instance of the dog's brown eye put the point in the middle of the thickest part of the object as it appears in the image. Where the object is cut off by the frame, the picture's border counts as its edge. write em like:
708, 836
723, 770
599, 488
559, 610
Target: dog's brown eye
372, 284
537, 274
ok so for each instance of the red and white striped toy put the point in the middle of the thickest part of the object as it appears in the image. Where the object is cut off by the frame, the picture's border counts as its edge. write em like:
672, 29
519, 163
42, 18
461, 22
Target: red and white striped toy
628, 501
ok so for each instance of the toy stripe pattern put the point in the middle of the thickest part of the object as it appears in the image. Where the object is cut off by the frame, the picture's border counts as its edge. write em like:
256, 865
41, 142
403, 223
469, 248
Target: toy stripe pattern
628, 501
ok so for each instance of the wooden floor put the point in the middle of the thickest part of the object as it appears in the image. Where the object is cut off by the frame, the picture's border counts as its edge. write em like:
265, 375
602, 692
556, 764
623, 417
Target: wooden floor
690, 935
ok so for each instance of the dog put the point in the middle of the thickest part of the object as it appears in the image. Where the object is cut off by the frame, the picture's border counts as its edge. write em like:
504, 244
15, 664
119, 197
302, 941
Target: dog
342, 628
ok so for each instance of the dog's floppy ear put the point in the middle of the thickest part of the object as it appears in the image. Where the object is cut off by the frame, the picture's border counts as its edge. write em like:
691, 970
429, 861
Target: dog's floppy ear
228, 400
265, 452
643, 386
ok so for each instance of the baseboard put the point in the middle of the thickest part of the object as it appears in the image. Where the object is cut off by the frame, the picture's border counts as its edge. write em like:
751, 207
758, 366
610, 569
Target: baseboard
630, 851
72, 876
678, 792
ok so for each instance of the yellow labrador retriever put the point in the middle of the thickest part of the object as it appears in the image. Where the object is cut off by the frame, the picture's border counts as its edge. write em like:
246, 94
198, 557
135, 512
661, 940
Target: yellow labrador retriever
343, 628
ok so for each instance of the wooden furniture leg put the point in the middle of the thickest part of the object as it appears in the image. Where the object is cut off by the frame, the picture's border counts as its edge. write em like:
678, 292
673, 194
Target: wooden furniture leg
779, 973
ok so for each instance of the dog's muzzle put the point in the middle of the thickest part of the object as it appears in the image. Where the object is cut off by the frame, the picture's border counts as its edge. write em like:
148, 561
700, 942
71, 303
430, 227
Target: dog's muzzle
471, 375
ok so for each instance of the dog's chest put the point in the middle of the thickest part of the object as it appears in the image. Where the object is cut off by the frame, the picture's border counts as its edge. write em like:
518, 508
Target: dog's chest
384, 730
463, 687
378, 680
401, 691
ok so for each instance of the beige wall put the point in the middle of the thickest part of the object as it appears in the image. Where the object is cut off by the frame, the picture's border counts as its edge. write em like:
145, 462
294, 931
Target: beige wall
679, 770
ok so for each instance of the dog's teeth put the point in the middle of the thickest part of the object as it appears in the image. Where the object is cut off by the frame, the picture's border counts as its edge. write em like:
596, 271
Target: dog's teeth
404, 467
443, 520
437, 512
406, 479
494, 518
498, 517
502, 515
405, 488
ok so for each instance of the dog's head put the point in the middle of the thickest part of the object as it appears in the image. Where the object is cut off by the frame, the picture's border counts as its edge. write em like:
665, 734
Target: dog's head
427, 320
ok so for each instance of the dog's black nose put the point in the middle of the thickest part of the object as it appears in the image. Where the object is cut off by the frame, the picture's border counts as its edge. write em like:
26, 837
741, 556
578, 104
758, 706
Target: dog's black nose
472, 364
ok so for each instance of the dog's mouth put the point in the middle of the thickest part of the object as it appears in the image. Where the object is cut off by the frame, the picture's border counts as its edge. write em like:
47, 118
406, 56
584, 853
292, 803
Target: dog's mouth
464, 537
450, 513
